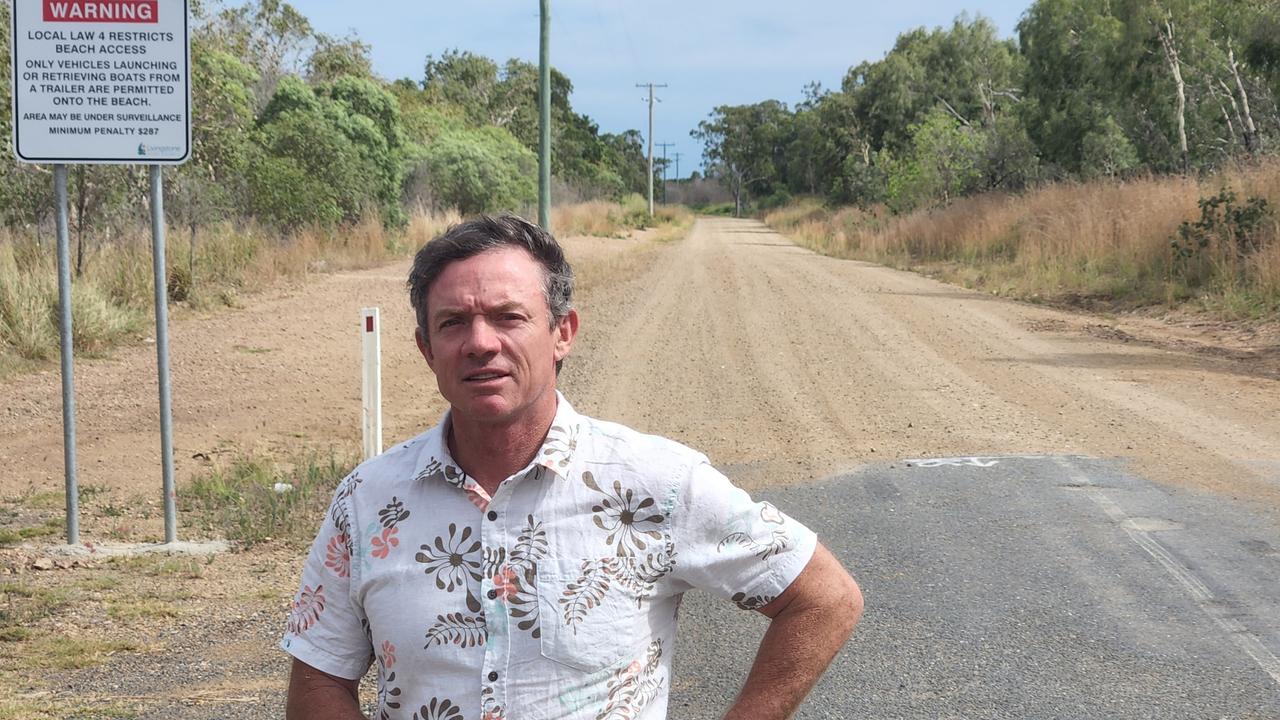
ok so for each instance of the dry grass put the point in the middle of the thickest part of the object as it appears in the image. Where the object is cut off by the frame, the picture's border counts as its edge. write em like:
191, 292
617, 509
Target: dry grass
1105, 243
599, 218
112, 300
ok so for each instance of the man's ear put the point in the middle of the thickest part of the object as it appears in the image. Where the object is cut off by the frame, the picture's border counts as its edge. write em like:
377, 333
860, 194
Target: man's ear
424, 347
566, 330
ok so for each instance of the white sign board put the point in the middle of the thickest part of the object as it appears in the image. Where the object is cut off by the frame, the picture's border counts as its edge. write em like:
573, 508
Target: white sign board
101, 81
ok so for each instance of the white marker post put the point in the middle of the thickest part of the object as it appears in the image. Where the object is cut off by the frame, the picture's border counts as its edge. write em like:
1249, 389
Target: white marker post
371, 388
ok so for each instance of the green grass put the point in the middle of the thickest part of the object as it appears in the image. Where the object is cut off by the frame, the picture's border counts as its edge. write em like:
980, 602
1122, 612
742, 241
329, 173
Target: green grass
23, 605
140, 609
69, 653
237, 501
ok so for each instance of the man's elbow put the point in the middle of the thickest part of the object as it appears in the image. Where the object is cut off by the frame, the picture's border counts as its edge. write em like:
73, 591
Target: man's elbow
848, 606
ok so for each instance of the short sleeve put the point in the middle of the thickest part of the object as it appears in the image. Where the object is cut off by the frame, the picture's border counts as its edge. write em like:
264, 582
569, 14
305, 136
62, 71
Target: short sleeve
735, 548
326, 629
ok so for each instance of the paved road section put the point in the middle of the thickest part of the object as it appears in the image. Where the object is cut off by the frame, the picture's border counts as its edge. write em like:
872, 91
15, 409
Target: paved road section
1026, 587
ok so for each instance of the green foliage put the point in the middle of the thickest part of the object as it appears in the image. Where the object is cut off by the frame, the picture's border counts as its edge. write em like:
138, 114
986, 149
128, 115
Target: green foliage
1223, 223
480, 171
327, 155
1106, 151
945, 162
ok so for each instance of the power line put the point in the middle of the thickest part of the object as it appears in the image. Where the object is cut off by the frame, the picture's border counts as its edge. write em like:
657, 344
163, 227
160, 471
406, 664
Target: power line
651, 86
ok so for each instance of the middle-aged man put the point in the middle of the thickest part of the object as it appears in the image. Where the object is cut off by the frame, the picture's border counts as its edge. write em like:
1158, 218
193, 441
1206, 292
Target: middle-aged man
522, 561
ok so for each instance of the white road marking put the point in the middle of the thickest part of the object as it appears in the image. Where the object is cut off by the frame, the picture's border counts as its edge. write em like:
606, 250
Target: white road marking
973, 461
1185, 576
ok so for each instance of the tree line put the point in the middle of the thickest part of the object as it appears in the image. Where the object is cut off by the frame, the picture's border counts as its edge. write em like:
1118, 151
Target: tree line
291, 127
1087, 89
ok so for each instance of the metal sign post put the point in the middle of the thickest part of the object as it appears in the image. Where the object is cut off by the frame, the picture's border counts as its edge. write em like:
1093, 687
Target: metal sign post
162, 353
68, 363
104, 82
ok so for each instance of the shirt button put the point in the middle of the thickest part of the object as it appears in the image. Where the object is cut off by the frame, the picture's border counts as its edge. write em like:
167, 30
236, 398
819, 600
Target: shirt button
493, 594
492, 515
493, 676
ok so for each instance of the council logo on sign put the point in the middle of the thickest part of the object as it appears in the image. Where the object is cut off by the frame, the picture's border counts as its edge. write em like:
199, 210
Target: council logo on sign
127, 11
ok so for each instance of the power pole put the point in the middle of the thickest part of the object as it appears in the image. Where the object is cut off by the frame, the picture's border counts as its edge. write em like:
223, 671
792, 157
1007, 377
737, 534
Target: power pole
544, 117
664, 147
677, 157
651, 86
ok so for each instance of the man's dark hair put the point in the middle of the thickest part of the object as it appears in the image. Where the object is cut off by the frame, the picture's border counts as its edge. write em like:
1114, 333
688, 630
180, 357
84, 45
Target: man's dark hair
485, 233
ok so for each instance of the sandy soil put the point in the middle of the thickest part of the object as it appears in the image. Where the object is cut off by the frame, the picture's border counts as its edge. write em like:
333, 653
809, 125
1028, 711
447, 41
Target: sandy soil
781, 365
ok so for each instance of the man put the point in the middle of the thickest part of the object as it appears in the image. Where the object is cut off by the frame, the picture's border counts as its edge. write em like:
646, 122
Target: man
522, 561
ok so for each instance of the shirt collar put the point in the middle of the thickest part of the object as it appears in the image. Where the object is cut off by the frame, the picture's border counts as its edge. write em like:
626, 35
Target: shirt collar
435, 464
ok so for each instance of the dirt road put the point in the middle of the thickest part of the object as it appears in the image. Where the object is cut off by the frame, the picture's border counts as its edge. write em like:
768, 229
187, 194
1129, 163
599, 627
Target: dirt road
780, 364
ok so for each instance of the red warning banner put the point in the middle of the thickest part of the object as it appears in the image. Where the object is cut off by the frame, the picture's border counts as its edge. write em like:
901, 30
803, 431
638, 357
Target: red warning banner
114, 11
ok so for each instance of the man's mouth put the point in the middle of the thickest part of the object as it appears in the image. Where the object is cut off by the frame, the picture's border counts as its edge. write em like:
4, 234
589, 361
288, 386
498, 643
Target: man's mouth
483, 376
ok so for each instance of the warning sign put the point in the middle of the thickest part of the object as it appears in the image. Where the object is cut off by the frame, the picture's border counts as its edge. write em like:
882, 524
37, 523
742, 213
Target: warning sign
101, 81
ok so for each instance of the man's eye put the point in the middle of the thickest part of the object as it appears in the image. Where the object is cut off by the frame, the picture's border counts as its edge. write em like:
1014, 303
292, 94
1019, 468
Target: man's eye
448, 323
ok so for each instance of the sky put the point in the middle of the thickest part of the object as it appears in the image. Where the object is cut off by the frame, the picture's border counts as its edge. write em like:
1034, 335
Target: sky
708, 52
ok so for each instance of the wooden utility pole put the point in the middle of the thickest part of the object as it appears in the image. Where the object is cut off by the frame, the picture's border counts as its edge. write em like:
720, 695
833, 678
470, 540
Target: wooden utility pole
651, 86
544, 118
664, 147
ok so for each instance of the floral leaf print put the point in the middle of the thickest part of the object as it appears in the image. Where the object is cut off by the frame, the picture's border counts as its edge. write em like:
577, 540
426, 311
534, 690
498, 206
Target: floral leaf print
489, 705
755, 602
342, 523
454, 561
388, 657
522, 604
560, 444
388, 696
393, 513
627, 518
348, 486
457, 629
306, 609
531, 545
438, 709
435, 471
493, 558
336, 555
383, 543
633, 687
776, 544
585, 593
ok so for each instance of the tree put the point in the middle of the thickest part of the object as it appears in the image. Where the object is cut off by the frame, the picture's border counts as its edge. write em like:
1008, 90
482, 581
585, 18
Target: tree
748, 143
479, 170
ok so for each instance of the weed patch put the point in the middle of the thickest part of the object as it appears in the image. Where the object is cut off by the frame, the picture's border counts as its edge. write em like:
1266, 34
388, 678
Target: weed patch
254, 499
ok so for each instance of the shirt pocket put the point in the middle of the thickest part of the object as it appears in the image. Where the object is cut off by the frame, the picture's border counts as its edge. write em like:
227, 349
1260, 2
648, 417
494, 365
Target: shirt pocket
594, 617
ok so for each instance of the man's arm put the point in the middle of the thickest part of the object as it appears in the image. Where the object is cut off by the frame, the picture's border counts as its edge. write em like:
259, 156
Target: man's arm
316, 695
811, 619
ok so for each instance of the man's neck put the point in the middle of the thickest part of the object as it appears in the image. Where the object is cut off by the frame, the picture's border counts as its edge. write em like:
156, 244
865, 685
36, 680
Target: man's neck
491, 453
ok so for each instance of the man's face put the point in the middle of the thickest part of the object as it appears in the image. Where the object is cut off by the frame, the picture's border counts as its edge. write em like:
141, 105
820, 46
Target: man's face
489, 338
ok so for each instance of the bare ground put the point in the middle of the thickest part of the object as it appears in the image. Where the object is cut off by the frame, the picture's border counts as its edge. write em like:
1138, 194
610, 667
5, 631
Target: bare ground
781, 365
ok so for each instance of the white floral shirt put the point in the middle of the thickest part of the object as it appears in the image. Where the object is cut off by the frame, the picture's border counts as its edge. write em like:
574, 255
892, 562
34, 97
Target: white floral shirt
554, 598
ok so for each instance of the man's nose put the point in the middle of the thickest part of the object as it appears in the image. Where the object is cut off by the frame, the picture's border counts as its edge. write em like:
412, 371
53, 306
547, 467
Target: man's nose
482, 339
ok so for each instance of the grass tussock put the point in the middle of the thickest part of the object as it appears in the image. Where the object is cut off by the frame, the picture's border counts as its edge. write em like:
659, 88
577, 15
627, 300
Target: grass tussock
247, 502
1110, 244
